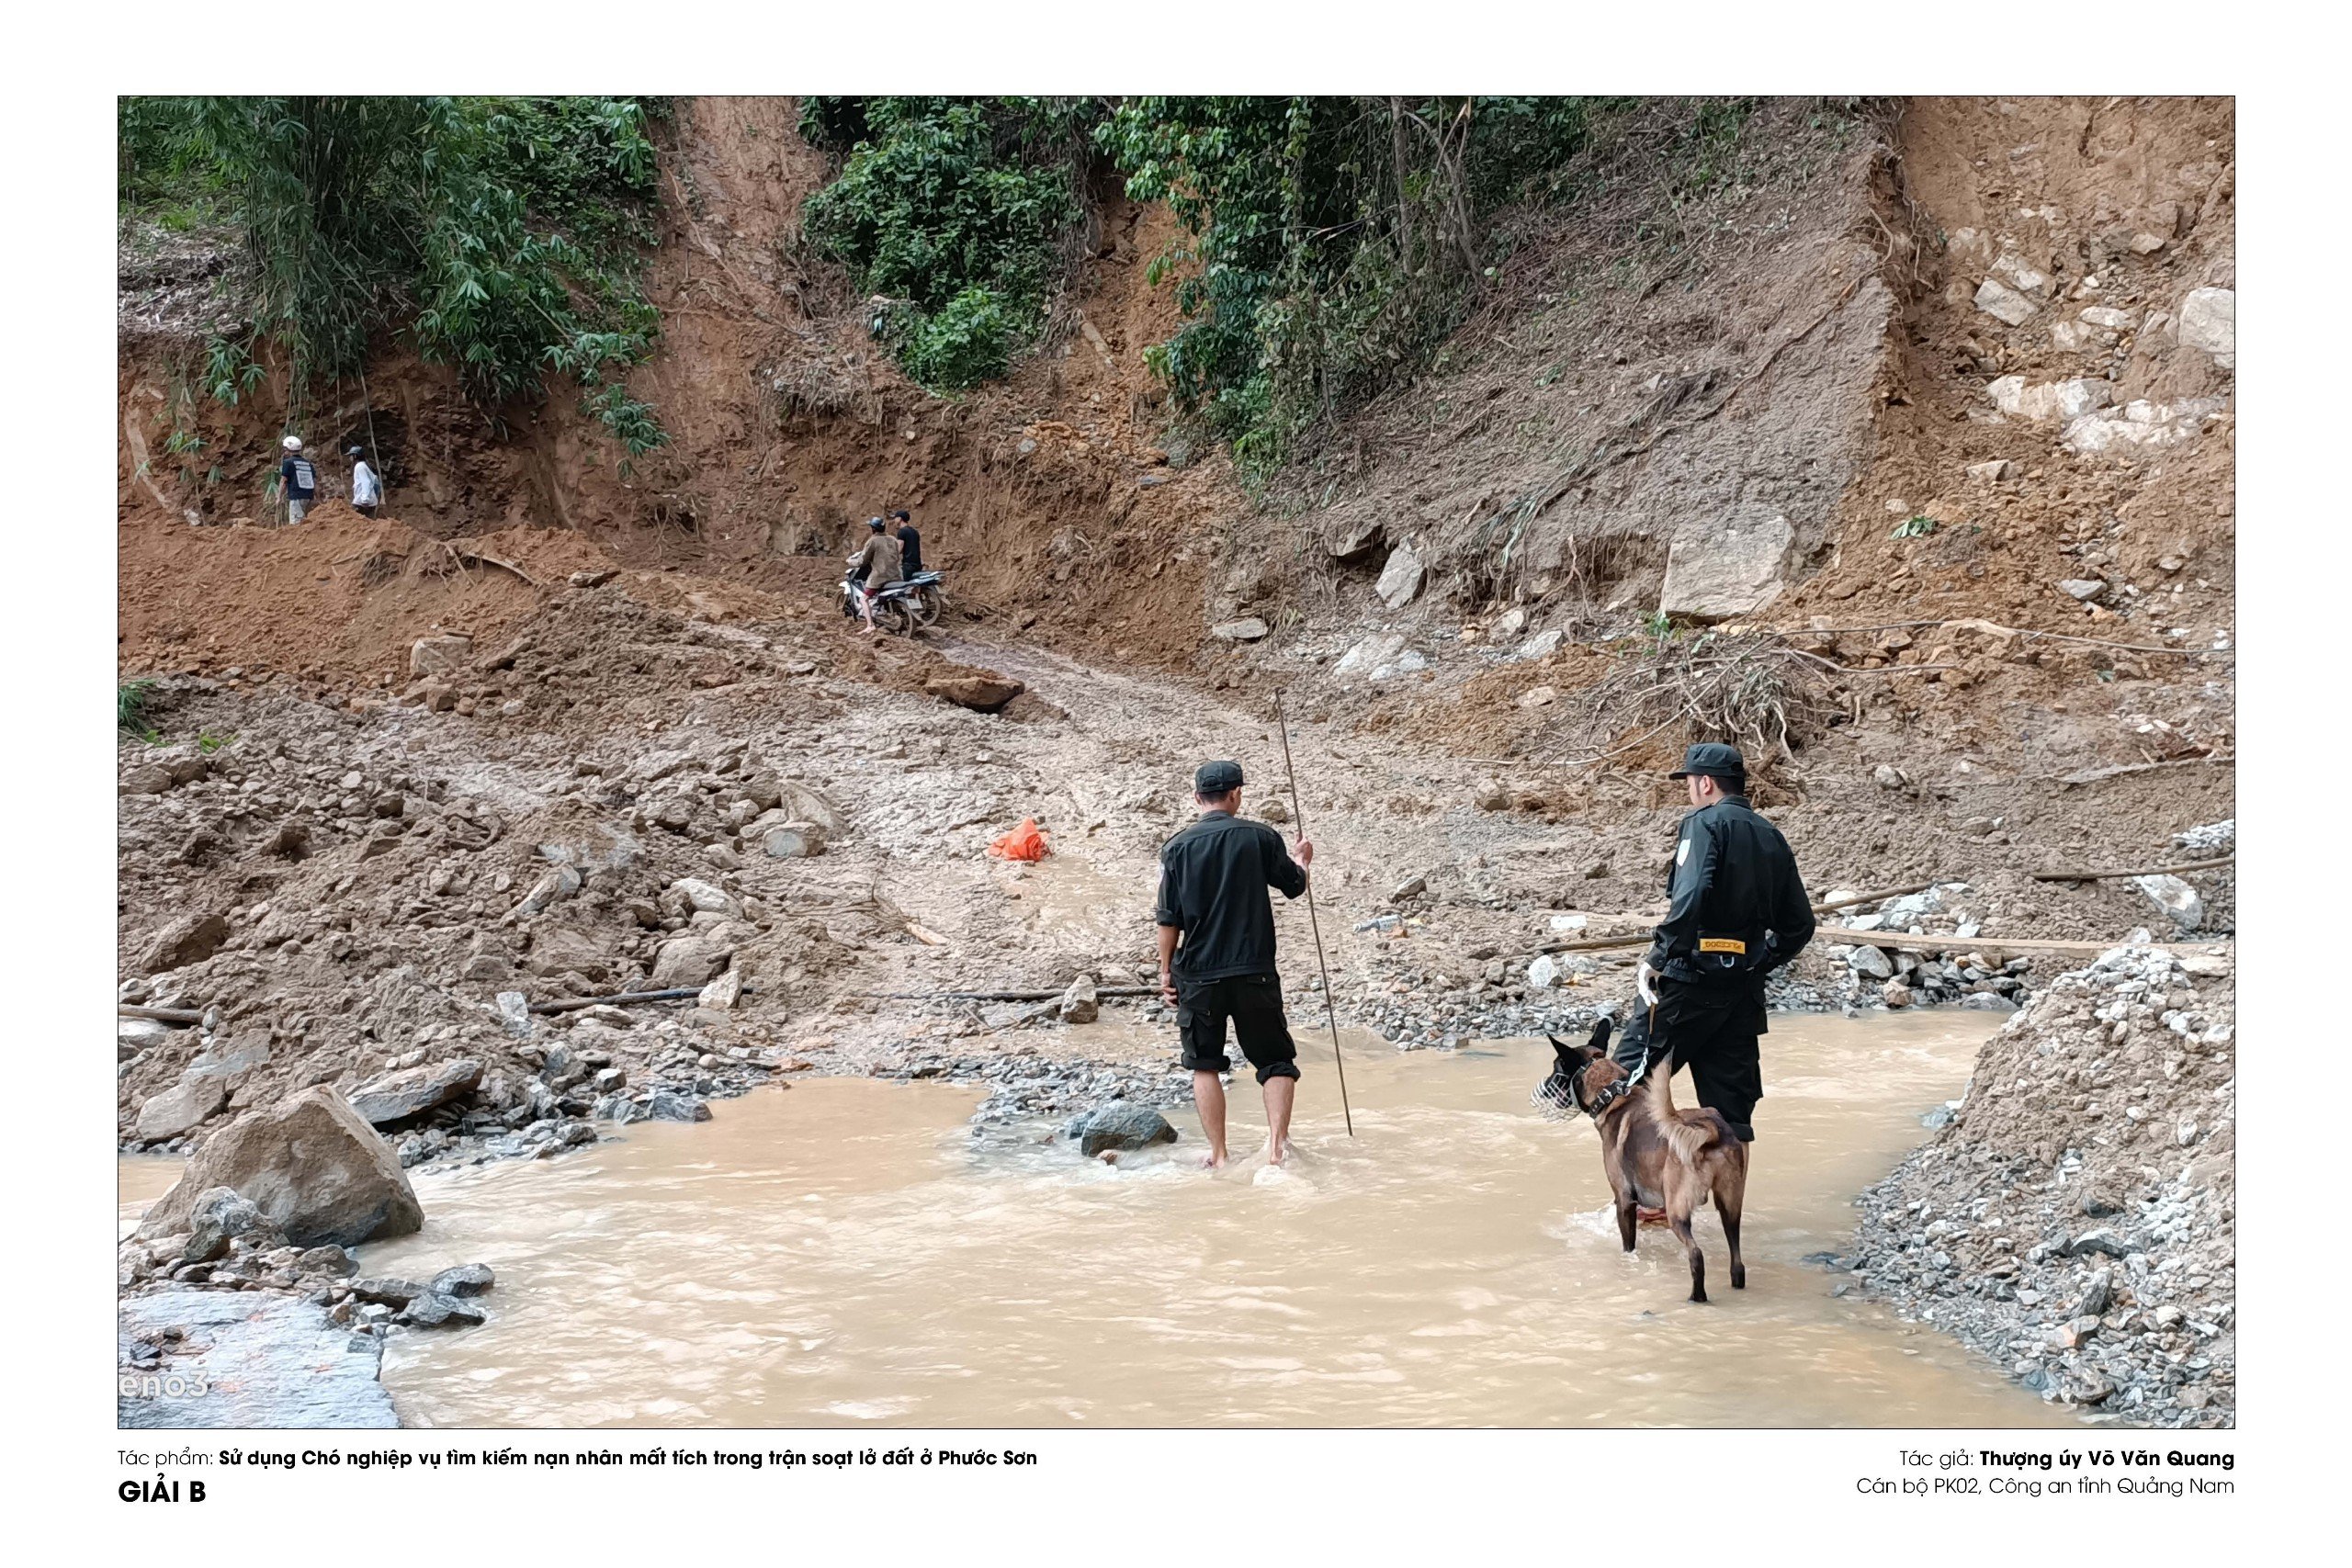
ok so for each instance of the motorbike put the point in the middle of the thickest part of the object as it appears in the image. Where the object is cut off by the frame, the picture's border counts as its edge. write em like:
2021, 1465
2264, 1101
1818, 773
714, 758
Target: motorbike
899, 607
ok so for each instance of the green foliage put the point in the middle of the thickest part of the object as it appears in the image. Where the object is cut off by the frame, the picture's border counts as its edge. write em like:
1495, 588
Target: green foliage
503, 234
208, 742
1918, 527
1330, 243
958, 209
130, 704
966, 342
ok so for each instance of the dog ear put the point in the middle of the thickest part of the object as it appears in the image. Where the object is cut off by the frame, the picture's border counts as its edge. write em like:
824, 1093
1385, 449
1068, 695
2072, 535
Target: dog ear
1561, 1048
1599, 1044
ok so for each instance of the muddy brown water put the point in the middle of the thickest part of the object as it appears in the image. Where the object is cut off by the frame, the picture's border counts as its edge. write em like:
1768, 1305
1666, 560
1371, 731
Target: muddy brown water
844, 1253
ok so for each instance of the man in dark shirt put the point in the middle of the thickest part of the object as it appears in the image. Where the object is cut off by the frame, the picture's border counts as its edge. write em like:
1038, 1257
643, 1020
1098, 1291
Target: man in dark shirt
1737, 911
1213, 881
909, 544
296, 477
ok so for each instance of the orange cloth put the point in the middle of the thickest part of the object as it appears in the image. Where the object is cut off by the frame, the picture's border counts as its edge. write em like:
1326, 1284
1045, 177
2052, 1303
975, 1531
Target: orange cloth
1025, 842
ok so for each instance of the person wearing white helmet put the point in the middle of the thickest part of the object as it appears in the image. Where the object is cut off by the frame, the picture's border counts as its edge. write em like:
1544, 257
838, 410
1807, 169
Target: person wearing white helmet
366, 489
298, 479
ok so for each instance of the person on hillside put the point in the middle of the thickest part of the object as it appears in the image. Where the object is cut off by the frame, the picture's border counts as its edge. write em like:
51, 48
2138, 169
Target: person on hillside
1217, 953
1737, 911
297, 478
874, 567
366, 489
909, 544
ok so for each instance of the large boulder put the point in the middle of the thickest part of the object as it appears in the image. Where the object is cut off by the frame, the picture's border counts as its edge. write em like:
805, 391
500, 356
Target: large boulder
689, 961
2208, 319
441, 655
1356, 541
191, 939
412, 1091
801, 804
1401, 579
310, 1165
188, 1103
1714, 573
982, 691
1120, 1125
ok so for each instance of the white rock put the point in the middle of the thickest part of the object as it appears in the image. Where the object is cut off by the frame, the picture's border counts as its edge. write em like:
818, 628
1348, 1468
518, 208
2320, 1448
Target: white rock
2208, 319
1720, 570
1249, 629
1509, 624
1992, 472
1996, 298
1401, 579
2109, 318
703, 895
2175, 897
2084, 588
1871, 962
1567, 923
1370, 654
1539, 697
1543, 645
1545, 972
2049, 401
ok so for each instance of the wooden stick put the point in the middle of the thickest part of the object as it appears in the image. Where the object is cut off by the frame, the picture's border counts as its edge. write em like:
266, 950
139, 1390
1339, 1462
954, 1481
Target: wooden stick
2095, 774
621, 999
2138, 871
160, 1015
1331, 1003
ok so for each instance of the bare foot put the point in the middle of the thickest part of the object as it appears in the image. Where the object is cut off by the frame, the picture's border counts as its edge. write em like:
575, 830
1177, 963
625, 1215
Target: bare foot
1213, 1162
1276, 1155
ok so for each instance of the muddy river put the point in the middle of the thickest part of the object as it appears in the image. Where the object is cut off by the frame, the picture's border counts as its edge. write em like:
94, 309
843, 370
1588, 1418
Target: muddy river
846, 1253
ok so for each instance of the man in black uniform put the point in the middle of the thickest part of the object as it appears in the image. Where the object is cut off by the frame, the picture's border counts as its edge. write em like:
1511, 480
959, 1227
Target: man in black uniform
1213, 881
1738, 911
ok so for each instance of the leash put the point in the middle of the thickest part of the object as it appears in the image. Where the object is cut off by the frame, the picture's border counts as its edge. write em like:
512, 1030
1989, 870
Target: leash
1330, 1004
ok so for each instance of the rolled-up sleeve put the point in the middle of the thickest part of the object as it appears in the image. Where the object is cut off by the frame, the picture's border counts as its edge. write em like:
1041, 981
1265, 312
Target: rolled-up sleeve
1281, 872
1166, 913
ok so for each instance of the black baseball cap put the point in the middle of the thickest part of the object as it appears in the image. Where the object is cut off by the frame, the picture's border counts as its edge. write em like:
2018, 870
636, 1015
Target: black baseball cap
1712, 758
1216, 778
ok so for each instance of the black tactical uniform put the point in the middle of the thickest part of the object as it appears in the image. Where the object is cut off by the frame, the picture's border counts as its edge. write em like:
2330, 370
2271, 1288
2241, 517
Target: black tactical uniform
1738, 910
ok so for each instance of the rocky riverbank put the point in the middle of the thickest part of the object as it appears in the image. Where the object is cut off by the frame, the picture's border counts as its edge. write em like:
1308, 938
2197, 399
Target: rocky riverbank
2075, 1216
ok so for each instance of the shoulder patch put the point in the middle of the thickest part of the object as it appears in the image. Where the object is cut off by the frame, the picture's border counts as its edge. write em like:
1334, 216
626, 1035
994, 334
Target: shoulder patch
1682, 851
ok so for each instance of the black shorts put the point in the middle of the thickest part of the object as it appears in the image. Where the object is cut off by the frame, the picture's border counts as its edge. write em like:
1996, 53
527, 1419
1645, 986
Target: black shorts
1713, 1033
1254, 1002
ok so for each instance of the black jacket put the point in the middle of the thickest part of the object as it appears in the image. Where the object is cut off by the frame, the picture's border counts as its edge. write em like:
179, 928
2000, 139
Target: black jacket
1213, 881
1738, 908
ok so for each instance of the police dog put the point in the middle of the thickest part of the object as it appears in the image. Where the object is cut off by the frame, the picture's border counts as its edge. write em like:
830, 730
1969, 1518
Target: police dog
1652, 1153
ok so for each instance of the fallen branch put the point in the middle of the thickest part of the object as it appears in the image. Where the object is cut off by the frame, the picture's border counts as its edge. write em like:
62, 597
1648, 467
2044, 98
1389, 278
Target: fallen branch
2141, 871
1003, 995
2095, 774
621, 999
464, 554
1851, 899
1902, 941
160, 1015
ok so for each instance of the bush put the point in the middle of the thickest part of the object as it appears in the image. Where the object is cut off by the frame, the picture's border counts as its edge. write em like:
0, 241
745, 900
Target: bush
1330, 243
502, 235
958, 209
968, 341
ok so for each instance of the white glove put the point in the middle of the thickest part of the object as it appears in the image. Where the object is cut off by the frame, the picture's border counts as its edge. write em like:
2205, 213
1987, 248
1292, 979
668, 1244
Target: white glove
1646, 983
